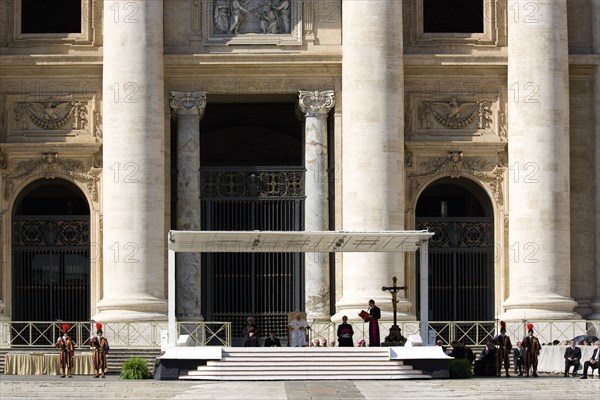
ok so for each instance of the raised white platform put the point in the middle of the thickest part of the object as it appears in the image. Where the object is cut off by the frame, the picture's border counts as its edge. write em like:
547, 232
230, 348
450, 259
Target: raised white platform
306, 363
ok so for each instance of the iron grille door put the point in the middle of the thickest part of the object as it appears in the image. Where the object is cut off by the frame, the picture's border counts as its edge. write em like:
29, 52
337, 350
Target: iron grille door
461, 269
265, 285
51, 268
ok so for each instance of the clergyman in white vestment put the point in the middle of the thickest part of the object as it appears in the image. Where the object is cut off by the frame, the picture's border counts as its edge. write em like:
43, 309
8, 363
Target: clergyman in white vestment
298, 332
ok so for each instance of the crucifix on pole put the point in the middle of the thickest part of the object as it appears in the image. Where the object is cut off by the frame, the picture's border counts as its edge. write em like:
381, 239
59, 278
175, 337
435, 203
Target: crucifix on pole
395, 336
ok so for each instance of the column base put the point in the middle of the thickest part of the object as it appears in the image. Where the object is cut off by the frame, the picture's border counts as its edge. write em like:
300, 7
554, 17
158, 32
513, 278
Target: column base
132, 309
595, 306
540, 307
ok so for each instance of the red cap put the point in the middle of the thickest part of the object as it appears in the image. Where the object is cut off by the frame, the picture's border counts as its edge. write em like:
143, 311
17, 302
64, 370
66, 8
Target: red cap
98, 326
66, 327
502, 324
529, 327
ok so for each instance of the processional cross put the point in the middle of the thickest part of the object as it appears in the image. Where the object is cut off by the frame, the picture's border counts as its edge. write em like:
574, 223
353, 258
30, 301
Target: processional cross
395, 335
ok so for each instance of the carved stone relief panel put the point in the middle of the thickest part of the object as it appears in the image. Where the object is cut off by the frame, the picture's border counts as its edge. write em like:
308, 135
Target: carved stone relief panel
434, 116
44, 117
488, 170
231, 22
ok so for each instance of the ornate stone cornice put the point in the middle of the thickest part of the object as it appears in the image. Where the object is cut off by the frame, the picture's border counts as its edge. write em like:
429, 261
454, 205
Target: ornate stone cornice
50, 167
192, 103
455, 165
314, 103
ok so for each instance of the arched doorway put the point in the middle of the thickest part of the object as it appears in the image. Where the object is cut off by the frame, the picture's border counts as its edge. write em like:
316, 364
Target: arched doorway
51, 253
461, 254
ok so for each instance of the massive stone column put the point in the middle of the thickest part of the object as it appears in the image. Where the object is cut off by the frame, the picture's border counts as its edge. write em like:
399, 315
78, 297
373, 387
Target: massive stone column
538, 151
133, 192
372, 148
595, 304
316, 106
188, 108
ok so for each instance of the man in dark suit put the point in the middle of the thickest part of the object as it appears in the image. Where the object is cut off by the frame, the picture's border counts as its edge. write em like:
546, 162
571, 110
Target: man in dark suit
272, 340
593, 362
572, 357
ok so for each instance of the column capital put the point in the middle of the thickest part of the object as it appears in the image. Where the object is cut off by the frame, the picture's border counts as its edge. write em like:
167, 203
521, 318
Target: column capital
188, 103
314, 103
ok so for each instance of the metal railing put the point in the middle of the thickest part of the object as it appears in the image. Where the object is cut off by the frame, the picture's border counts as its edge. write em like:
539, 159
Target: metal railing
146, 334
473, 333
149, 334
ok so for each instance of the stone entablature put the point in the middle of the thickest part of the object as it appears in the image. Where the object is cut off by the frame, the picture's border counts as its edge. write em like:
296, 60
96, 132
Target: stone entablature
64, 117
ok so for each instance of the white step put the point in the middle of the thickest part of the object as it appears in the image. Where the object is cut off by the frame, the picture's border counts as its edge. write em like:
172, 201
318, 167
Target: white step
283, 377
304, 364
335, 363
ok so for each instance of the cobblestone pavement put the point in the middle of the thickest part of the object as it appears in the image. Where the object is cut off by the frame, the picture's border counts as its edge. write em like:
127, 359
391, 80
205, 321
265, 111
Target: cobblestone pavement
53, 387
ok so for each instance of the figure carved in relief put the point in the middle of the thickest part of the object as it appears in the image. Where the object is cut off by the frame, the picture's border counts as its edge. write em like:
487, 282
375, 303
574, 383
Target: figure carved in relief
221, 16
284, 15
237, 15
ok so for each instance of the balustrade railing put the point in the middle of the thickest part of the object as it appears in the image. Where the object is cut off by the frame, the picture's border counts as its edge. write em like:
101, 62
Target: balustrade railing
148, 334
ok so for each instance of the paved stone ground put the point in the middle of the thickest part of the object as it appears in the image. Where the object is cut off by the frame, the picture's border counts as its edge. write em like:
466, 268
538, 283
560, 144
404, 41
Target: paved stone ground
543, 388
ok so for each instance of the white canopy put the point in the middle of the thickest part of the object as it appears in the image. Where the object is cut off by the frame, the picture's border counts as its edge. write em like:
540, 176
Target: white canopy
299, 242
295, 242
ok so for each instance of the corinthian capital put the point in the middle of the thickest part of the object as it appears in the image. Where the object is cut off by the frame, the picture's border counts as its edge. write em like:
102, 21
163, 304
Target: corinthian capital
315, 102
188, 103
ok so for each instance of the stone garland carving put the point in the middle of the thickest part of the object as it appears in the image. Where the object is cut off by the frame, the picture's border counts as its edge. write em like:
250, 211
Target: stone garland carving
52, 114
455, 166
453, 114
98, 125
49, 167
315, 102
251, 16
3, 160
3, 123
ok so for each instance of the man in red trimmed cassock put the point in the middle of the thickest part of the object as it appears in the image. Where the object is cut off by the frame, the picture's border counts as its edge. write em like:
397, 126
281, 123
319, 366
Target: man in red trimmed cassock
532, 351
100, 345
372, 316
67, 352
504, 350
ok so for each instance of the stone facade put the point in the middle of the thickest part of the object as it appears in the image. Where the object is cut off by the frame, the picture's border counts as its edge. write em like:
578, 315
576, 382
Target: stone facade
406, 108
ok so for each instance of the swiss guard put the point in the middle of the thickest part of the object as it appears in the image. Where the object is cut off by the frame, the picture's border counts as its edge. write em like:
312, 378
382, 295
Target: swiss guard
100, 347
504, 348
532, 351
67, 352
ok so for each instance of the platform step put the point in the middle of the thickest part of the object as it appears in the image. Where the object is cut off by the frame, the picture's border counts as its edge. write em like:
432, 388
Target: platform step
268, 364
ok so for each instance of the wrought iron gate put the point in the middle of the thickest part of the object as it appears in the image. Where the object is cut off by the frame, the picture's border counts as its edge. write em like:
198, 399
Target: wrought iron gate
265, 285
50, 268
461, 268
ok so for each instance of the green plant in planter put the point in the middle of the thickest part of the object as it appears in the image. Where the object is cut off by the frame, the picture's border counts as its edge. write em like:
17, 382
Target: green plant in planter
460, 369
135, 368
